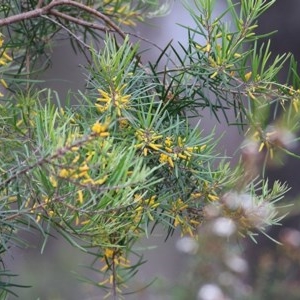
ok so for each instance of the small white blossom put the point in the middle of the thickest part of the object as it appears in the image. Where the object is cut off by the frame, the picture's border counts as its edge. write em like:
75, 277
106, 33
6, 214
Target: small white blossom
187, 245
236, 263
223, 227
210, 292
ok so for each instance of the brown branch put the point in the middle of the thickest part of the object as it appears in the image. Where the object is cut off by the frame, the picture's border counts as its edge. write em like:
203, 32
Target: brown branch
81, 22
92, 11
46, 10
96, 26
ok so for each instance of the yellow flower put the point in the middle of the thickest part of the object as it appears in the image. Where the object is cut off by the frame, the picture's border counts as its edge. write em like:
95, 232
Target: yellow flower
164, 158
80, 196
105, 97
109, 253
84, 168
212, 197
3, 82
168, 141
101, 180
53, 181
178, 220
178, 150
248, 76
64, 173
295, 98
179, 205
100, 129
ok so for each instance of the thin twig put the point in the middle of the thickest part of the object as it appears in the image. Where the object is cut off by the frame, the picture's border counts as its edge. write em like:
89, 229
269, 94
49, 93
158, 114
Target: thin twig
96, 26
67, 29
71, 34
44, 160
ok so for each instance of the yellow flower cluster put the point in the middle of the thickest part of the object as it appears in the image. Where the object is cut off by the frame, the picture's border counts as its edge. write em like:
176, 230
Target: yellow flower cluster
81, 173
4, 60
115, 98
38, 209
208, 192
100, 129
171, 149
175, 151
112, 259
177, 208
79, 169
147, 140
112, 254
218, 59
182, 219
145, 205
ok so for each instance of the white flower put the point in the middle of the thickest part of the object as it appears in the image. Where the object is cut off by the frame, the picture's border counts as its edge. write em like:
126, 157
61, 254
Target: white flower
210, 292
